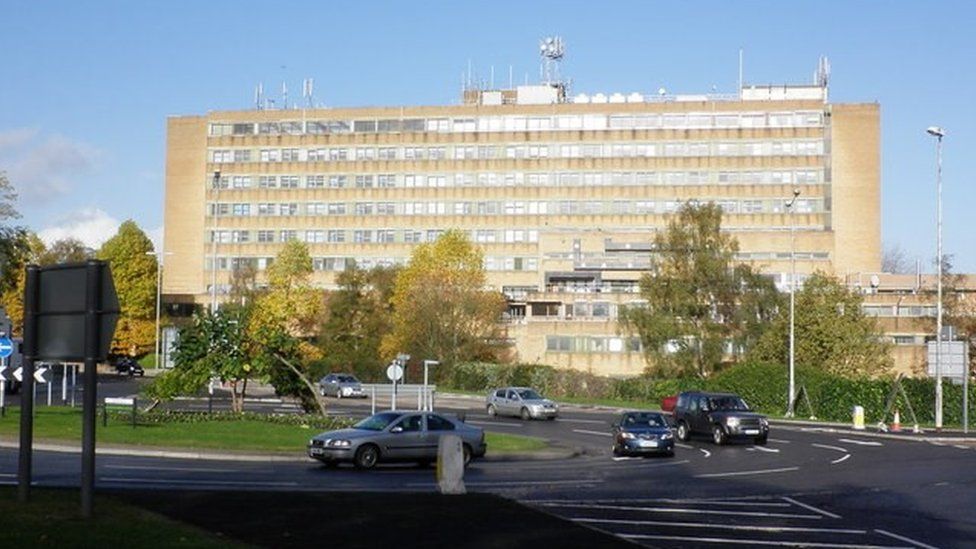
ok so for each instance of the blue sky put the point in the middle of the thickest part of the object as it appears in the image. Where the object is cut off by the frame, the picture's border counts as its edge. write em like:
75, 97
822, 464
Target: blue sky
86, 86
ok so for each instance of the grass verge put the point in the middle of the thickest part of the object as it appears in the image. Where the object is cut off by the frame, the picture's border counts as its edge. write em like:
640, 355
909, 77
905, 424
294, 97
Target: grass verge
52, 519
241, 435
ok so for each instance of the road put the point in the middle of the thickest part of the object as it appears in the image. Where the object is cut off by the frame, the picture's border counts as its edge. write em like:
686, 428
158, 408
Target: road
806, 488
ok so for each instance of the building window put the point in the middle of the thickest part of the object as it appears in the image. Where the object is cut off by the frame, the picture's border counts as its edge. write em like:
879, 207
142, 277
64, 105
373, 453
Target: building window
336, 236
265, 236
315, 181
289, 182
268, 182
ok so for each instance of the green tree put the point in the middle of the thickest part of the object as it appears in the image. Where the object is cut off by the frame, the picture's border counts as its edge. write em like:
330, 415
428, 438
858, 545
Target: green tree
283, 321
66, 250
441, 308
27, 249
958, 307
702, 308
211, 346
832, 333
14, 245
358, 316
134, 272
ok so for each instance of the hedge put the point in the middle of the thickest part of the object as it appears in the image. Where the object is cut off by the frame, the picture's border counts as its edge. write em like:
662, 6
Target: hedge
181, 416
762, 385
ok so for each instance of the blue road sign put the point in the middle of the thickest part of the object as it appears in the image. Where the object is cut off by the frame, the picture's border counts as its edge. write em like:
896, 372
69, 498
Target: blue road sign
6, 347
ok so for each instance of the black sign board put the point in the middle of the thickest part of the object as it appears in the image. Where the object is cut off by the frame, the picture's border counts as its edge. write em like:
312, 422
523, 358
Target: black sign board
61, 312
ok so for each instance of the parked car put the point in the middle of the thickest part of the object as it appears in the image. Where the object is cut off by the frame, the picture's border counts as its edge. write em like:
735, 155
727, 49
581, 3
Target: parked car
522, 402
341, 386
722, 415
129, 366
395, 436
642, 433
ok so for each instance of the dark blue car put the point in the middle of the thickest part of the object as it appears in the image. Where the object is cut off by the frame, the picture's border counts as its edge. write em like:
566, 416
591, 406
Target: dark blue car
642, 433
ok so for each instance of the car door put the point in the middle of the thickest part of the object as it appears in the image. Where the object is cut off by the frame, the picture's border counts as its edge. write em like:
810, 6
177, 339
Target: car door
701, 415
406, 440
437, 426
512, 402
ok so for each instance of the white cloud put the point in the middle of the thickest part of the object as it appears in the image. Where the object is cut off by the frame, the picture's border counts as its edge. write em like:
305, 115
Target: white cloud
92, 226
44, 167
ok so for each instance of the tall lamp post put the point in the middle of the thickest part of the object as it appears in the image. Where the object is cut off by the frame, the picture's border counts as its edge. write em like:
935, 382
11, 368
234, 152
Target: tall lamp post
938, 133
159, 295
213, 247
792, 396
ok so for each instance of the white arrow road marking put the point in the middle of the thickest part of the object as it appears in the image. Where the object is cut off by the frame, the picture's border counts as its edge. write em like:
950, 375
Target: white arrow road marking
840, 459
706, 452
861, 442
585, 432
846, 456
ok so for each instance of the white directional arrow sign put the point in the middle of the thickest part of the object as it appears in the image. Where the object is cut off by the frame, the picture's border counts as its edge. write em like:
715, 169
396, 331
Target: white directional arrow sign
42, 375
19, 374
5, 374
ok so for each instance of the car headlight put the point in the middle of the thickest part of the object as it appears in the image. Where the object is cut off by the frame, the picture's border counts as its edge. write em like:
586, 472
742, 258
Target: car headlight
667, 436
626, 435
764, 422
339, 443
732, 421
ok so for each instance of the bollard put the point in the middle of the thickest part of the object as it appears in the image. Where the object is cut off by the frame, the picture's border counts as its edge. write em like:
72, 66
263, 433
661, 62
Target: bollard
859, 418
450, 465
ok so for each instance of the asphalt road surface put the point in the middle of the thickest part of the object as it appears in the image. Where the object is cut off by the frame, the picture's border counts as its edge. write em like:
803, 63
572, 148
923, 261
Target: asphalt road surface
806, 488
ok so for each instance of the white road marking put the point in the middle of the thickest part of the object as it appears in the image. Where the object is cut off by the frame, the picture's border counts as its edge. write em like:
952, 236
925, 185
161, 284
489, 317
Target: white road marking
680, 510
182, 469
779, 529
778, 440
593, 421
706, 452
961, 447
861, 442
903, 538
495, 423
768, 450
627, 458
811, 508
755, 542
746, 473
585, 432
666, 500
840, 459
685, 446
829, 447
8, 475
516, 483
195, 482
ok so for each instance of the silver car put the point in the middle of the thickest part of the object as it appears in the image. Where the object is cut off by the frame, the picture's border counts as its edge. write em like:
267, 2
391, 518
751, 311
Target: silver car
341, 386
522, 402
395, 436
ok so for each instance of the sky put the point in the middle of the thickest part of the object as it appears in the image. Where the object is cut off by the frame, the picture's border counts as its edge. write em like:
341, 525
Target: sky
86, 87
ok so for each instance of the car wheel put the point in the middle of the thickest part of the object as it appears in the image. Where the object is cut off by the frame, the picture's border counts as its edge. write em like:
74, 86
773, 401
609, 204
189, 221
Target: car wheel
551, 418
670, 454
322, 391
525, 414
718, 435
366, 456
683, 433
491, 410
466, 451
615, 450
761, 440
339, 394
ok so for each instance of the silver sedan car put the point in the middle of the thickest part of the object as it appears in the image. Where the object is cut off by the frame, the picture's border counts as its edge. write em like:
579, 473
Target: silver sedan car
521, 402
395, 436
341, 386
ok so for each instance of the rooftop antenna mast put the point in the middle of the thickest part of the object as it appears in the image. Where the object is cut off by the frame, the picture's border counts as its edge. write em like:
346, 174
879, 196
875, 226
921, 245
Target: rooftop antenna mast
284, 95
822, 76
259, 96
551, 50
307, 89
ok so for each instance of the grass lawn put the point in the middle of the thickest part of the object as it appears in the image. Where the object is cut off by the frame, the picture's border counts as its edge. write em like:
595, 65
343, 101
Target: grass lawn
52, 519
238, 435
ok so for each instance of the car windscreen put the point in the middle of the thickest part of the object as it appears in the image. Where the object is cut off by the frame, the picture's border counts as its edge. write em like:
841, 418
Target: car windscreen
347, 379
729, 403
528, 394
377, 422
644, 420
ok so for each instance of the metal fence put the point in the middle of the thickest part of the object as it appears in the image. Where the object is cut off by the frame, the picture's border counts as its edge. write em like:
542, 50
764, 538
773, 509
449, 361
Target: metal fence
405, 396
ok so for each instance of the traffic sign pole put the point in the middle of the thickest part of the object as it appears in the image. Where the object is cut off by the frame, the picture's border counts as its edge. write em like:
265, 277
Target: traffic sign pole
31, 288
93, 298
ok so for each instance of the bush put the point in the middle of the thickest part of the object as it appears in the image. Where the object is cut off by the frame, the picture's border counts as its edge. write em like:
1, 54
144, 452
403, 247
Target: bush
178, 416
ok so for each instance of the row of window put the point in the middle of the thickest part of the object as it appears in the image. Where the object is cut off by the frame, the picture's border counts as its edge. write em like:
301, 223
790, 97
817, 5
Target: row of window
592, 344
521, 151
505, 207
337, 264
900, 310
367, 236
522, 179
806, 119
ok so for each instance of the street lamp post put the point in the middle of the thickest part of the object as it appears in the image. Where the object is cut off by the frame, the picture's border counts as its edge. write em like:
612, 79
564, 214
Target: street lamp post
938, 133
792, 396
213, 247
159, 295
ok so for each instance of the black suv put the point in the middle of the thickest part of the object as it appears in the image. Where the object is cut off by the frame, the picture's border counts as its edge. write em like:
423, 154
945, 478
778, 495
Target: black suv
128, 366
722, 415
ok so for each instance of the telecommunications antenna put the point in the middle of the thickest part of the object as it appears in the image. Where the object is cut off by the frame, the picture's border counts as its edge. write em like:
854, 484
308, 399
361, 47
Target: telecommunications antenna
552, 50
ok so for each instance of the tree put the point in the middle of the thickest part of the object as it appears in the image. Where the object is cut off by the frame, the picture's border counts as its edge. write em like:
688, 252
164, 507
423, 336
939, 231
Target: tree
14, 245
441, 309
358, 317
284, 319
25, 250
958, 307
134, 271
701, 308
895, 260
66, 250
212, 345
832, 333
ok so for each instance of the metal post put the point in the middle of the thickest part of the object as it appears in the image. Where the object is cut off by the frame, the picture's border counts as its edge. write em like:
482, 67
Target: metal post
64, 383
792, 391
420, 393
49, 388
938, 133
3, 389
93, 296
27, 387
213, 252
74, 383
373, 407
965, 394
